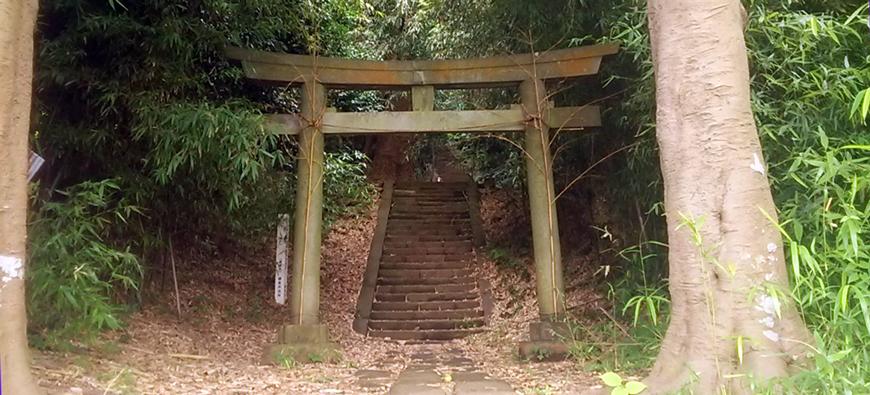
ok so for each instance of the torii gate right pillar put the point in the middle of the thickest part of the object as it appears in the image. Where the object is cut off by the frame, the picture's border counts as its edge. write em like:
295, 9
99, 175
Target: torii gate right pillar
542, 202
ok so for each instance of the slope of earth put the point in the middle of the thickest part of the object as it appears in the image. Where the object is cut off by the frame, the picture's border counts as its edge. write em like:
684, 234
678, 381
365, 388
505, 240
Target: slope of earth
228, 316
508, 266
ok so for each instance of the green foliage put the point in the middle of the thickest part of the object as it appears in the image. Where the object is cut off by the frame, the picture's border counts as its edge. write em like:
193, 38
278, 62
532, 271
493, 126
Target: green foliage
506, 260
810, 73
609, 346
141, 93
619, 386
78, 274
809, 70
491, 160
345, 188
206, 148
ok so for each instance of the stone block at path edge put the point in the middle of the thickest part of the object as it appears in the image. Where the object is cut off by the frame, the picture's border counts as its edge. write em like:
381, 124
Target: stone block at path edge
302, 344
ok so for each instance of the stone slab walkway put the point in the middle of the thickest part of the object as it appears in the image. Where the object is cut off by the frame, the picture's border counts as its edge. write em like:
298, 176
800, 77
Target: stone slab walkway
442, 370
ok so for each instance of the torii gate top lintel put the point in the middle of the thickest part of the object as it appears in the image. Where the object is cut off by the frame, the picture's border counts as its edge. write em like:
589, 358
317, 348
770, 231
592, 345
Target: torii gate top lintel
507, 70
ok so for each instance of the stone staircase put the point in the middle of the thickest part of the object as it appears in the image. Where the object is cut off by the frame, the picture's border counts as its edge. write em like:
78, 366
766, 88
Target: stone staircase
426, 290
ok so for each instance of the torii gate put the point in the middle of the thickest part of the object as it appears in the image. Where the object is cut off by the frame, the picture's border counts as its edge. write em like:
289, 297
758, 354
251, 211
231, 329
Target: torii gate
535, 116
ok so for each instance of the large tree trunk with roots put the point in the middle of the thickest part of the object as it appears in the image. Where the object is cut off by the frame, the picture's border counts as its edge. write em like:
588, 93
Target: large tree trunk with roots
730, 321
17, 20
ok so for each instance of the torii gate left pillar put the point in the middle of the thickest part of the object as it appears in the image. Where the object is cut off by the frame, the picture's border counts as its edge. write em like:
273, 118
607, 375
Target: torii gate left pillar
305, 338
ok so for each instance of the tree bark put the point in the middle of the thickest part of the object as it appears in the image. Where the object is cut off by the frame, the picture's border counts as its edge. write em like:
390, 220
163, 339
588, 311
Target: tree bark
17, 20
727, 269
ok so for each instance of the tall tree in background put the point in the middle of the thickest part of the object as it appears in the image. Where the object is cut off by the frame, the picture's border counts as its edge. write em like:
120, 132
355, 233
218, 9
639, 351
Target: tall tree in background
731, 324
17, 20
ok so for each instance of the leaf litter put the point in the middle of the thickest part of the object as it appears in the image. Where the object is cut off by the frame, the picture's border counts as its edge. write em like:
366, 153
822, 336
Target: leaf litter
229, 316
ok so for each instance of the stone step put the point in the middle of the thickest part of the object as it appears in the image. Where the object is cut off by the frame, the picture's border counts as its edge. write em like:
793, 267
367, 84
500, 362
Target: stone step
425, 273
429, 203
460, 314
441, 334
426, 306
424, 297
425, 324
463, 244
403, 218
406, 195
398, 258
430, 211
406, 238
414, 209
426, 281
420, 250
427, 231
423, 265
434, 220
429, 227
429, 184
426, 288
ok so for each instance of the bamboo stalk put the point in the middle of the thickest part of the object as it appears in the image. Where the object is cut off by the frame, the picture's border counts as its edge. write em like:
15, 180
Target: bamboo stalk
174, 278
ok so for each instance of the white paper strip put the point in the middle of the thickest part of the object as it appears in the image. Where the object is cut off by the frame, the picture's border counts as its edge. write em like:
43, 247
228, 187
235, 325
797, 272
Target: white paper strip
281, 259
36, 162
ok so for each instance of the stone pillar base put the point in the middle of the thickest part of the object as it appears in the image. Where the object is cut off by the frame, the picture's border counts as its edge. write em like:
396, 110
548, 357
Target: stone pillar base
302, 344
547, 342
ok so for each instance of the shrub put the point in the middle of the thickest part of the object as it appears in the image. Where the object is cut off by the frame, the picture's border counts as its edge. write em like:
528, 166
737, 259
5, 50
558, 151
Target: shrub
77, 275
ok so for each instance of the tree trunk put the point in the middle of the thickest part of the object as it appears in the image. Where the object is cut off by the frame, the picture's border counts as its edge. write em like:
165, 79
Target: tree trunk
727, 272
17, 20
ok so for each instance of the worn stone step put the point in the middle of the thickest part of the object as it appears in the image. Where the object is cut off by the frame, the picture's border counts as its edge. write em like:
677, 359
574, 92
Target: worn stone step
458, 257
445, 228
420, 250
424, 297
441, 334
426, 281
424, 265
425, 324
436, 207
408, 209
425, 273
431, 189
460, 314
425, 306
428, 230
463, 244
432, 215
413, 238
405, 195
426, 288
435, 220
429, 203
422, 235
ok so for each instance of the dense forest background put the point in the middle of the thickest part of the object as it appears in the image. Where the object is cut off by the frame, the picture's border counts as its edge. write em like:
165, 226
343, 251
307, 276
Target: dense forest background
153, 137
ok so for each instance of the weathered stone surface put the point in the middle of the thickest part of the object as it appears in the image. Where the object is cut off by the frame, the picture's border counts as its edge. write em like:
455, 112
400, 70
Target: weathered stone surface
488, 387
543, 351
409, 388
549, 331
373, 374
429, 370
282, 354
291, 334
470, 376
